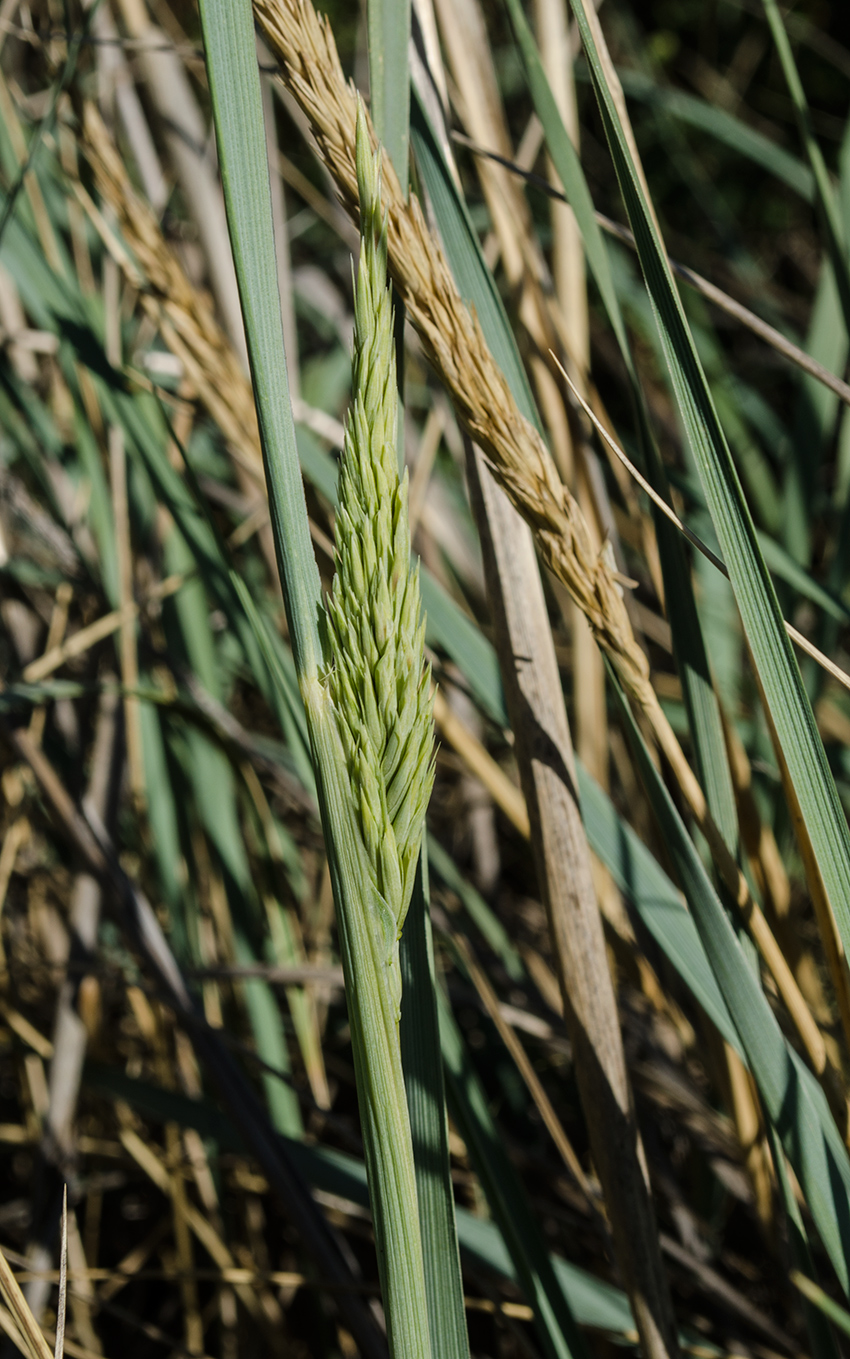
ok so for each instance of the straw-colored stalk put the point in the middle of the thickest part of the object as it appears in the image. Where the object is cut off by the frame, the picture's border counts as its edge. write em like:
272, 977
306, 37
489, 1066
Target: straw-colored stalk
371, 726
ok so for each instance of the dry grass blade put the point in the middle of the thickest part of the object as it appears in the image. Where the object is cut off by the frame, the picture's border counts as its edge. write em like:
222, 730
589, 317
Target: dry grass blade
184, 314
480, 763
59, 1345
35, 1345
563, 868
491, 1004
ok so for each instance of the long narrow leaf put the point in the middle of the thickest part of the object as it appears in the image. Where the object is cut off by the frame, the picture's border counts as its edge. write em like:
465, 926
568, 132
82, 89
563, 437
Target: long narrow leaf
792, 1099
234, 86
824, 194
554, 1320
426, 1101
778, 671
389, 79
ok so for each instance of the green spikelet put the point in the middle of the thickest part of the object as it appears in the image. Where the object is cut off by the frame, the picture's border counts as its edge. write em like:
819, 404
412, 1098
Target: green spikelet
369, 714
378, 680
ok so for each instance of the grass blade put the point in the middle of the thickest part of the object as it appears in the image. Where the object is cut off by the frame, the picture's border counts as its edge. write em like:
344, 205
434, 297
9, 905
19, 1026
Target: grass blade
462, 247
791, 1097
235, 90
772, 655
373, 772
689, 647
426, 1101
820, 1334
389, 79
813, 1293
654, 899
828, 209
723, 126
554, 1320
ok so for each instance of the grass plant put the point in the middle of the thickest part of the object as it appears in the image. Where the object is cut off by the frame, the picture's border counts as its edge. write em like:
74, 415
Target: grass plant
345, 1039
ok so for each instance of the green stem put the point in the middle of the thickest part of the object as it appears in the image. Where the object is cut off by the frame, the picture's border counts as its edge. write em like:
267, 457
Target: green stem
373, 1017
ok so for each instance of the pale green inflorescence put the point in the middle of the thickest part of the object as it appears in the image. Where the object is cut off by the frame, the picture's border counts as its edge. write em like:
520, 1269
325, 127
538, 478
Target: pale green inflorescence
378, 680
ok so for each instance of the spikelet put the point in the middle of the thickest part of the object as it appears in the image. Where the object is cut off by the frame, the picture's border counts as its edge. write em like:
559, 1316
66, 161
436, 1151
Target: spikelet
377, 678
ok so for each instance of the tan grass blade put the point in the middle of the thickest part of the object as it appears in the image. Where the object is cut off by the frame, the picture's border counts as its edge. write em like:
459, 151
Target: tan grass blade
35, 1345
59, 1345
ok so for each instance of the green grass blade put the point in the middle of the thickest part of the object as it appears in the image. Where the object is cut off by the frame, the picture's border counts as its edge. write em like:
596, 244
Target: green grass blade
554, 1321
791, 1097
814, 1294
654, 899
426, 1102
724, 127
388, 23
816, 407
463, 250
373, 828
448, 627
237, 105
779, 562
568, 166
778, 671
388, 26
828, 209
162, 810
820, 1335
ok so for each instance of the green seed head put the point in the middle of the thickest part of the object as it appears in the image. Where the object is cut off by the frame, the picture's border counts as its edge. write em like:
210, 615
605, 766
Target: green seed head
377, 679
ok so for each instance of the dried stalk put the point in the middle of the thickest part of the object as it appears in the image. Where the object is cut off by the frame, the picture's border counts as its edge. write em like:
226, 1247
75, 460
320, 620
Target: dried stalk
562, 858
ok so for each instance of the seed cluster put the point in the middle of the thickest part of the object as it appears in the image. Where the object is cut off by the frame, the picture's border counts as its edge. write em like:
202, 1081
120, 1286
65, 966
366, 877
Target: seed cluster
378, 679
